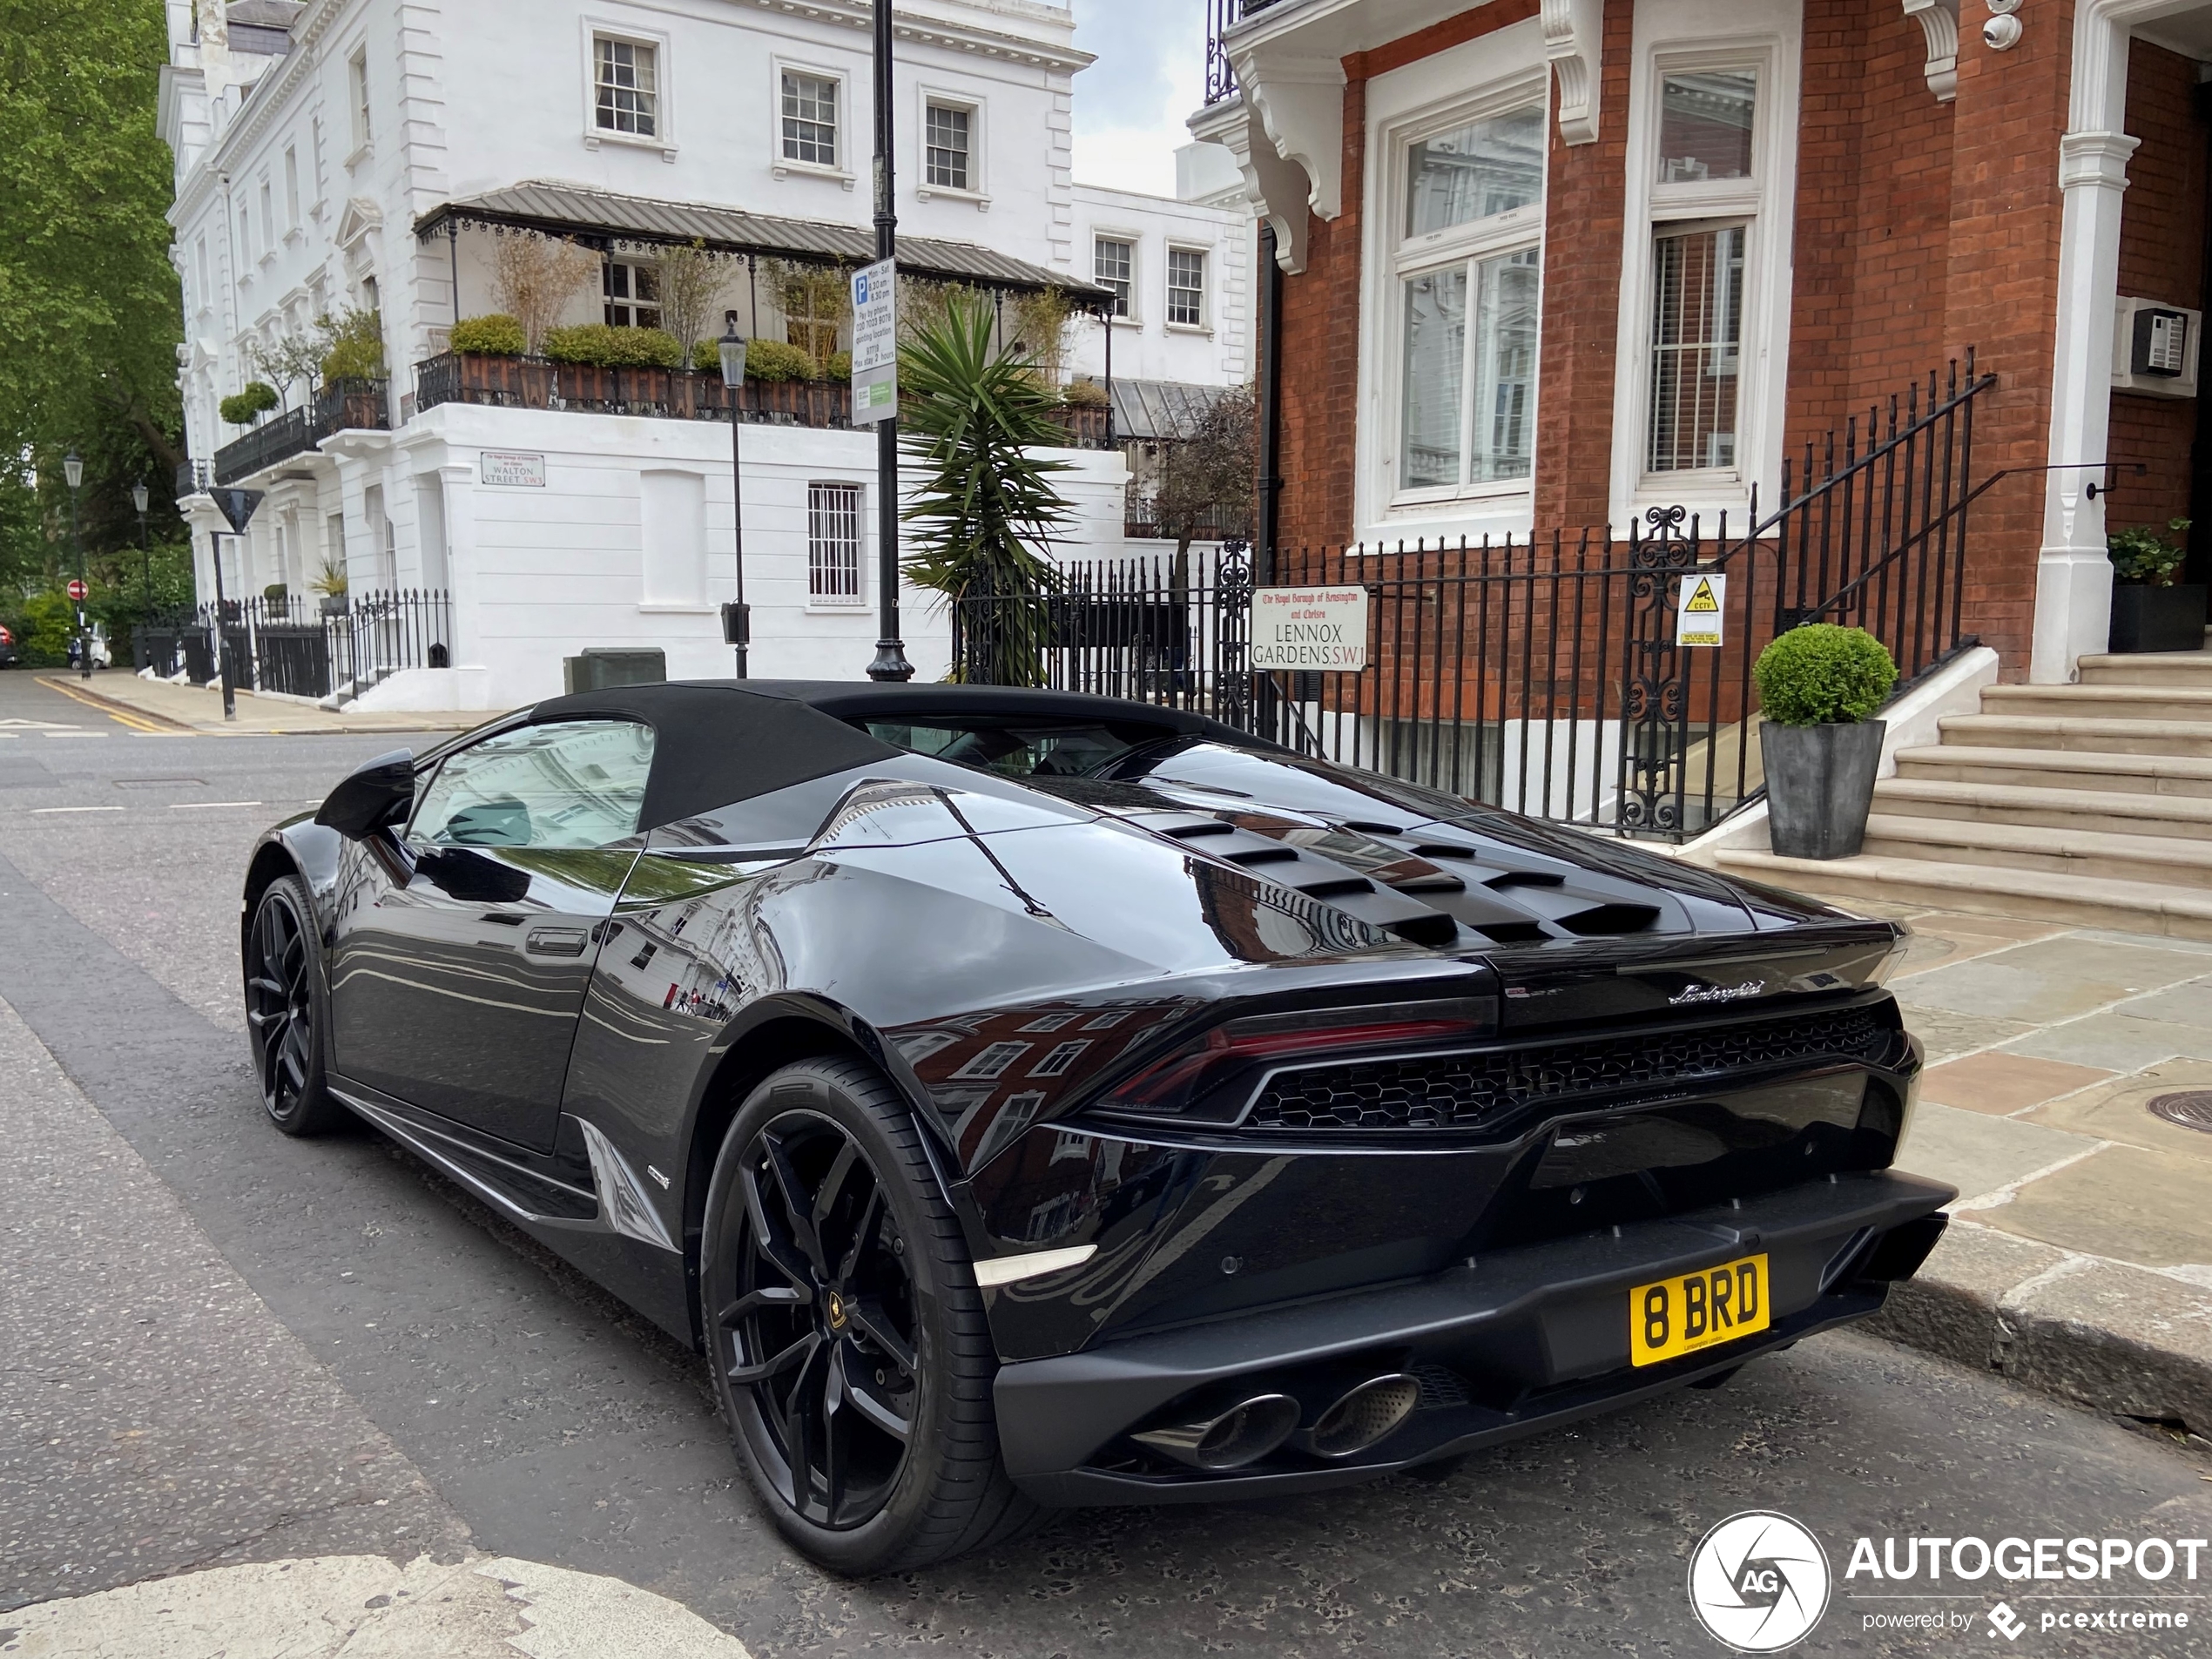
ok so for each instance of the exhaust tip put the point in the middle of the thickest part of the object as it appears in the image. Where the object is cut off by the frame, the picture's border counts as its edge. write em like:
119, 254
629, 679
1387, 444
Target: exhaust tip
1244, 1433
1366, 1414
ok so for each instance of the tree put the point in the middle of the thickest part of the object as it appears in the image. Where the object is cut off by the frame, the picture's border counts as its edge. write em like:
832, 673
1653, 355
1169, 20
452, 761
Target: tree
1207, 472
988, 508
691, 281
534, 278
89, 311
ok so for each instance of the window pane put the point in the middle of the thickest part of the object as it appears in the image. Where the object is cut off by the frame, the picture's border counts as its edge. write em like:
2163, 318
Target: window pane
1436, 327
947, 150
1705, 125
1187, 287
1473, 172
810, 120
1504, 365
632, 295
834, 543
574, 783
627, 87
1113, 264
1697, 336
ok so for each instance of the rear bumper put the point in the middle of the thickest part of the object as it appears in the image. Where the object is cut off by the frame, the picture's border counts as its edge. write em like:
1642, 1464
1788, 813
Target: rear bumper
1519, 1341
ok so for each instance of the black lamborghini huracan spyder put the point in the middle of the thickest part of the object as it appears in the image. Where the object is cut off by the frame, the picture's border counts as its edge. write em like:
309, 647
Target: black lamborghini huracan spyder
1028, 1099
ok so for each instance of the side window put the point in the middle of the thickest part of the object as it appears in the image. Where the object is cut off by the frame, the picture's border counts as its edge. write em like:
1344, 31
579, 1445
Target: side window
571, 784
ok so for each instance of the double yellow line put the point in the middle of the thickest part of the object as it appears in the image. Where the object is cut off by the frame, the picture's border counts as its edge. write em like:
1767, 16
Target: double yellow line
151, 724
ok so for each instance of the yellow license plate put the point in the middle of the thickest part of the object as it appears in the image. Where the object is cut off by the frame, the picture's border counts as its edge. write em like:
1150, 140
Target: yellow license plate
1715, 1304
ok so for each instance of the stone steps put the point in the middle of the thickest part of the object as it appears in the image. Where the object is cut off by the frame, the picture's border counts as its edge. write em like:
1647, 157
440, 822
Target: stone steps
2088, 770
2116, 811
2086, 735
2168, 861
2189, 703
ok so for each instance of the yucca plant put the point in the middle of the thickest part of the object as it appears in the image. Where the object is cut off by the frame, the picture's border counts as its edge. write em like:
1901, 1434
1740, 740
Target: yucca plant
971, 414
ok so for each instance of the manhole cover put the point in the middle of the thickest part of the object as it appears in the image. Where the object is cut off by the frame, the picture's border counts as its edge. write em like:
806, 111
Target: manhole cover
2191, 1109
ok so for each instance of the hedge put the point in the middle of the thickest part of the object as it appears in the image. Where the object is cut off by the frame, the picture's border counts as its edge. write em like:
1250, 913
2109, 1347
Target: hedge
496, 334
599, 345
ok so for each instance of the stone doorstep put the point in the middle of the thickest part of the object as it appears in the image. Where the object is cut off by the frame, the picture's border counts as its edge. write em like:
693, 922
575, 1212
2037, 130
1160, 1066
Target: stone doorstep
2102, 1334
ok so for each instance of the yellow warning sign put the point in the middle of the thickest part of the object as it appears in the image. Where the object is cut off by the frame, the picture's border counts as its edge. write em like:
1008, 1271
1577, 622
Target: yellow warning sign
1700, 611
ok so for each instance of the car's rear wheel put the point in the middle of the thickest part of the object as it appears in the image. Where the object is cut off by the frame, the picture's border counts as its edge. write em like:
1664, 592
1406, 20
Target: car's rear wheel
846, 1333
285, 1020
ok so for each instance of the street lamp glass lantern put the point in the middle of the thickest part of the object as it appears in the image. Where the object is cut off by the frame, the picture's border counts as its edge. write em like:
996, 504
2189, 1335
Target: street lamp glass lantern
733, 346
73, 468
139, 496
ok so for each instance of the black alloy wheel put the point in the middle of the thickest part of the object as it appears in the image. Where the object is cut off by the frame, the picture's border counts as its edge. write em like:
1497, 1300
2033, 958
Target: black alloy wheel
847, 1333
284, 1017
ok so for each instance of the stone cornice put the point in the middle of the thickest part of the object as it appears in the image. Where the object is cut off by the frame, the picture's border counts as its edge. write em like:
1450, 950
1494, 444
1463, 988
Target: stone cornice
1938, 21
1575, 42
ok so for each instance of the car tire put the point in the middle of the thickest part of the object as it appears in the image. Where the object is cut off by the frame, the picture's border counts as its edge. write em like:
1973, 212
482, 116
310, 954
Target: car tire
871, 1311
287, 1011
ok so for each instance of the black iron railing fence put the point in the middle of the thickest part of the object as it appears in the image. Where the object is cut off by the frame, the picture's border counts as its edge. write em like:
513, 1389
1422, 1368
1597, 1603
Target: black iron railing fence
337, 406
1547, 675
304, 647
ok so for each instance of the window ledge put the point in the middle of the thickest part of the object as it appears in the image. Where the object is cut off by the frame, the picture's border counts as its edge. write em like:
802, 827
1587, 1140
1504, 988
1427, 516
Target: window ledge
1205, 328
594, 137
1135, 325
925, 192
362, 152
837, 607
785, 168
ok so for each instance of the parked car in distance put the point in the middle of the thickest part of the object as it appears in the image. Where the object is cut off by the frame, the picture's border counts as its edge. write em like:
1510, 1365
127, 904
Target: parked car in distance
1031, 1100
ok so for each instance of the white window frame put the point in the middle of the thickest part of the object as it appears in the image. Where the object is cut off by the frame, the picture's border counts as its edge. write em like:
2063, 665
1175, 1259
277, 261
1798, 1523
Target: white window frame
359, 112
782, 165
858, 599
1136, 242
633, 263
596, 28
978, 189
1399, 256
266, 199
291, 191
1763, 204
1208, 266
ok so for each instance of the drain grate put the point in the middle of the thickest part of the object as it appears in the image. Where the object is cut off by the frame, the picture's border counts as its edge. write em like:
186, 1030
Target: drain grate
2192, 1109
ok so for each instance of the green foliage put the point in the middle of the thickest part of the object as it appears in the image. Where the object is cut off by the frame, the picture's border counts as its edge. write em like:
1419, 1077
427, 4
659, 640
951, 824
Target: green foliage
496, 334
353, 345
1083, 394
771, 360
42, 627
986, 506
259, 397
2144, 557
598, 345
1824, 675
89, 312
840, 366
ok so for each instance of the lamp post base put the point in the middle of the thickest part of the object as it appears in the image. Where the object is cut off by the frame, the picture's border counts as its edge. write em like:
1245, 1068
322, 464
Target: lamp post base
891, 662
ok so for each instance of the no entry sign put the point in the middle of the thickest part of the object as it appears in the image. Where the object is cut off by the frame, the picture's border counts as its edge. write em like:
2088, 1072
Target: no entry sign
1317, 630
78, 590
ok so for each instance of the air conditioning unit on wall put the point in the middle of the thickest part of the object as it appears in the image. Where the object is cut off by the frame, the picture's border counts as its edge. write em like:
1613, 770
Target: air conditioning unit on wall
2155, 348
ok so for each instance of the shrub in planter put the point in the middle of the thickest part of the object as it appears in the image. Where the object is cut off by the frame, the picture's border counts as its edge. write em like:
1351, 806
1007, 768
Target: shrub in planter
1083, 394
2151, 610
496, 334
1818, 684
772, 360
598, 345
354, 346
240, 408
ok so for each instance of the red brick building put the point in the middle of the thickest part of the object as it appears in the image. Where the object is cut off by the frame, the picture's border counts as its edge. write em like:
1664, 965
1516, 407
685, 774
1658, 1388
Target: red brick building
1548, 263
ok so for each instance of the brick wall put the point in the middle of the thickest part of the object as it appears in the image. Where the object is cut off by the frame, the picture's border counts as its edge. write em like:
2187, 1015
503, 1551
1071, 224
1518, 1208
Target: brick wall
2161, 257
1321, 343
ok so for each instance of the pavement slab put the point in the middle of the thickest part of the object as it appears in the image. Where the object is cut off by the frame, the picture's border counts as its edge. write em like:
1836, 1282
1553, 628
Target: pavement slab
2120, 1110
2123, 1203
155, 1416
2000, 1083
2114, 1041
1946, 1034
1981, 1155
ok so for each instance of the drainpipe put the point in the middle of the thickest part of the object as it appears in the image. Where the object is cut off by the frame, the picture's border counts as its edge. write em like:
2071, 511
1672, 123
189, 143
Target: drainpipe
1271, 405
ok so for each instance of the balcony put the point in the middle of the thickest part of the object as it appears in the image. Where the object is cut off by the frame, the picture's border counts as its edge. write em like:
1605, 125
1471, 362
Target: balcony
335, 407
664, 394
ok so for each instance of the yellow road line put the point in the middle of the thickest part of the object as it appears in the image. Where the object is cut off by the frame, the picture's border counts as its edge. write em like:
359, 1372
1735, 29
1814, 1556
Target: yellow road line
134, 720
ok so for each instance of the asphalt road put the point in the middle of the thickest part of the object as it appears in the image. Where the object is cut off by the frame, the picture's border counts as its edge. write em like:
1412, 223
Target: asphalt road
221, 1345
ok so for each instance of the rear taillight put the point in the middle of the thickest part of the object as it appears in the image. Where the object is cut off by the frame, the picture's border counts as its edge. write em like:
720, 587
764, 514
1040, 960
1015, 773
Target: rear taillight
1211, 1079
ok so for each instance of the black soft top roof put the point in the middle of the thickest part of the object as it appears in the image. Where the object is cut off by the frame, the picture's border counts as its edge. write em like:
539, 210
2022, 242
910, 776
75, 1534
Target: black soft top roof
717, 742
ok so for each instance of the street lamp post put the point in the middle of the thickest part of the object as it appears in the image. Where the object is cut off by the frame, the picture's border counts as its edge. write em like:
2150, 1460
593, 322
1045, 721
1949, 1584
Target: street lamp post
73, 470
145, 553
890, 662
737, 619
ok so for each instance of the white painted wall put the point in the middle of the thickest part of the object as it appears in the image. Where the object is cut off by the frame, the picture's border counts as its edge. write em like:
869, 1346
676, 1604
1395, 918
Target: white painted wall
1146, 346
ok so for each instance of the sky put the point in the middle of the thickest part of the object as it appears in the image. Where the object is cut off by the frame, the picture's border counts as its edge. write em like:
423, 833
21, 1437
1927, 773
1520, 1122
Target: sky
1131, 104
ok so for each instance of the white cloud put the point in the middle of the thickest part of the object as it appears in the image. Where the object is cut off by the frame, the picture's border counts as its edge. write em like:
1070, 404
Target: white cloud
1131, 104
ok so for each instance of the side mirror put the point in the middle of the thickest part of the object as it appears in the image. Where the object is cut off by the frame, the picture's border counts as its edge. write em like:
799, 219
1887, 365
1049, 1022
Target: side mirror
374, 796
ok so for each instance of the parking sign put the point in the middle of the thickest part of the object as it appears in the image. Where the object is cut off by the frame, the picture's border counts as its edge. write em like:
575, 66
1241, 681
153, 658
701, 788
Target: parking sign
875, 341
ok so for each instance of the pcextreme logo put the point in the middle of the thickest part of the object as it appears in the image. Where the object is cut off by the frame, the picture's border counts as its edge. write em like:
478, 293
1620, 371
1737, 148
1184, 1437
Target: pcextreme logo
1758, 1582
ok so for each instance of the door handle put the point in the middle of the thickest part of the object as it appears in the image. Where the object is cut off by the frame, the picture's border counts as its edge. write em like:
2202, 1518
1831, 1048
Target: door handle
556, 941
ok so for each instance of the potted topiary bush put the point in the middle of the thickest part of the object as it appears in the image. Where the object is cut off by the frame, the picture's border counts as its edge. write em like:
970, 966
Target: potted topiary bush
2150, 610
1818, 688
494, 334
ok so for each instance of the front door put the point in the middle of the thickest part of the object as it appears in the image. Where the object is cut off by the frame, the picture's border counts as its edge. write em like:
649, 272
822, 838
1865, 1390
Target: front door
457, 988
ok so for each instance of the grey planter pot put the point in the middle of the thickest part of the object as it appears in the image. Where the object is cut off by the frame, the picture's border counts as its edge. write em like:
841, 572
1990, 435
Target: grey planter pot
1819, 787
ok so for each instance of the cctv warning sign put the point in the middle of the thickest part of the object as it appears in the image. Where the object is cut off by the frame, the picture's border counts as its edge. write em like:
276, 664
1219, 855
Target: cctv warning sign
1700, 610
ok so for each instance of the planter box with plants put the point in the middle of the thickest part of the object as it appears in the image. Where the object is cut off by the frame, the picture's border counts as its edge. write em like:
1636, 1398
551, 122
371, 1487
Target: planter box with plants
1819, 686
2150, 610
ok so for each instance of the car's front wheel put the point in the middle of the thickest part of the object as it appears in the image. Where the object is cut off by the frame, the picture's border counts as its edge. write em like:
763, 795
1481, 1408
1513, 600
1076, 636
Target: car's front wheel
847, 1333
286, 1022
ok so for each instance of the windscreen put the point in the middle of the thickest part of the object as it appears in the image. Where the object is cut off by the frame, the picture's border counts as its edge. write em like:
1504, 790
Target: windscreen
1017, 746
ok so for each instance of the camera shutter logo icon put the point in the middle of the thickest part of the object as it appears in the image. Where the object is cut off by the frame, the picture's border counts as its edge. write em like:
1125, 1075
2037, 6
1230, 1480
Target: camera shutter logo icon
1758, 1582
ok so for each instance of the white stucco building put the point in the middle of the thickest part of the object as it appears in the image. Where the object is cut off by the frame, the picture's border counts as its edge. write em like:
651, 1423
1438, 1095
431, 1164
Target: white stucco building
368, 154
